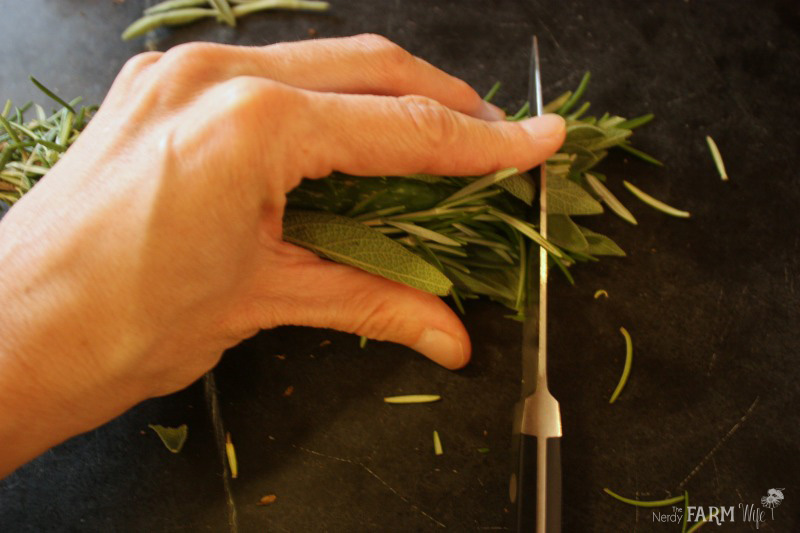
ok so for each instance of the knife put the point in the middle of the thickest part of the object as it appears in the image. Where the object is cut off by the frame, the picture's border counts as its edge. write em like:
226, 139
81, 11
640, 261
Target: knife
535, 487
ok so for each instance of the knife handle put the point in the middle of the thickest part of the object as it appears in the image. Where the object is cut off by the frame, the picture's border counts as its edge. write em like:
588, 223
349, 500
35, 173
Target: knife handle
525, 488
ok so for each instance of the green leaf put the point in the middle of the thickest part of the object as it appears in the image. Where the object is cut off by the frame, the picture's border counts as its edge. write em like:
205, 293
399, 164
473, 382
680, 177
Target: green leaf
565, 197
349, 242
173, 438
600, 244
481, 183
608, 197
562, 231
584, 158
582, 133
424, 233
520, 186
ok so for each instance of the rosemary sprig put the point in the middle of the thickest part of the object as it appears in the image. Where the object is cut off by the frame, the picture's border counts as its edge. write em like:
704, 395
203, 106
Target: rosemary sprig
178, 12
28, 149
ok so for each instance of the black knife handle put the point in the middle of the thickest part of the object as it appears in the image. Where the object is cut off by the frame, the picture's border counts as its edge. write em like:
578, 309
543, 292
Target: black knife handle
524, 486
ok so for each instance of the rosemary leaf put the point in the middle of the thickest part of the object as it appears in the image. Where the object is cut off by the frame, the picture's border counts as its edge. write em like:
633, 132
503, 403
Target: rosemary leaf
654, 203
717, 158
627, 368
608, 197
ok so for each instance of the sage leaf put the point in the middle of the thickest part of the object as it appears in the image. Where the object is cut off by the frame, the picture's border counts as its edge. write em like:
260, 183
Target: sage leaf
600, 244
565, 197
347, 241
173, 438
563, 232
608, 197
520, 186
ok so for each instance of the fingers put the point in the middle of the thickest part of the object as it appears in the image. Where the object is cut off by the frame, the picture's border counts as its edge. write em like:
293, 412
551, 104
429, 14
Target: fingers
364, 64
318, 293
374, 135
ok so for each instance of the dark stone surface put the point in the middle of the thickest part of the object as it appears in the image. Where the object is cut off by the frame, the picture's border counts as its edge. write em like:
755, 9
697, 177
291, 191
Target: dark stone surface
711, 302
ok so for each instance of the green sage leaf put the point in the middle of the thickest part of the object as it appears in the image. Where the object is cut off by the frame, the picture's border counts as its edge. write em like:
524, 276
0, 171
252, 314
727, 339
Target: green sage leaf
563, 232
600, 244
349, 242
565, 197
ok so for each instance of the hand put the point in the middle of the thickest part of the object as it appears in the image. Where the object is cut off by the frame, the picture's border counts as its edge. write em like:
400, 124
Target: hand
155, 243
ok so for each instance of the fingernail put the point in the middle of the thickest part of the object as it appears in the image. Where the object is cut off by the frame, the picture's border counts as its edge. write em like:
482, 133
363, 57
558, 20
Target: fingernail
548, 125
489, 111
441, 347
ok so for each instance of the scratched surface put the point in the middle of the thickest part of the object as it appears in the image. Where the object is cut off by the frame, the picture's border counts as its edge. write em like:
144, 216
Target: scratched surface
711, 303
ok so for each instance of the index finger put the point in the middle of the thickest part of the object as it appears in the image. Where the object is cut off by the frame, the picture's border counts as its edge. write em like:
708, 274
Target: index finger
378, 135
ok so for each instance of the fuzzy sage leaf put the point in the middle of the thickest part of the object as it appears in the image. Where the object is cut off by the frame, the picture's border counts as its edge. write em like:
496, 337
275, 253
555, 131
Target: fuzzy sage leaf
347, 241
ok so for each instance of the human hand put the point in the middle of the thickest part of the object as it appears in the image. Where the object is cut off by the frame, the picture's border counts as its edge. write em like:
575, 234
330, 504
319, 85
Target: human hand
155, 243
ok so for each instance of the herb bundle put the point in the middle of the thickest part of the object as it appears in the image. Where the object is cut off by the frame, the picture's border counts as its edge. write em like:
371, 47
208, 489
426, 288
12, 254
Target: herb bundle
469, 237
29, 148
464, 237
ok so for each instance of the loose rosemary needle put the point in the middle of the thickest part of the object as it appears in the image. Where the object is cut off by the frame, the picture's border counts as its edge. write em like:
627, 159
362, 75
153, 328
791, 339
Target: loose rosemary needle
627, 369
655, 203
413, 398
717, 158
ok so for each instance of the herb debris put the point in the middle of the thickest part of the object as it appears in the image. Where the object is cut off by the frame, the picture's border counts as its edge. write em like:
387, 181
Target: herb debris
627, 369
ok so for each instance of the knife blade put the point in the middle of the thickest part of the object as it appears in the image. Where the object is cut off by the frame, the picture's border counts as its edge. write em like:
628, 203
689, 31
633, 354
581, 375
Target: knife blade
535, 487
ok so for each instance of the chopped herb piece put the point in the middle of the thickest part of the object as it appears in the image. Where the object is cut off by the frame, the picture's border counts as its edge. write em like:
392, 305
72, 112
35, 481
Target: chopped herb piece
267, 500
717, 158
654, 203
627, 369
230, 451
413, 398
600, 292
437, 443
173, 438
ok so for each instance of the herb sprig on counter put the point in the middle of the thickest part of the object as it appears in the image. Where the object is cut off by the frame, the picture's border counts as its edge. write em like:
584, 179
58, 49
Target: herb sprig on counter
178, 12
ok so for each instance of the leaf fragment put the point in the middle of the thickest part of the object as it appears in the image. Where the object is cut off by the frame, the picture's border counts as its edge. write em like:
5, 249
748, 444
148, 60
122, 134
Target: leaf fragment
413, 398
655, 203
230, 452
717, 158
600, 292
173, 437
437, 443
627, 369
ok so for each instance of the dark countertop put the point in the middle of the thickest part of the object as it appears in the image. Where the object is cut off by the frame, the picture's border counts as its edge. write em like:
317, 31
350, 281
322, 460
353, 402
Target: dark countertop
711, 302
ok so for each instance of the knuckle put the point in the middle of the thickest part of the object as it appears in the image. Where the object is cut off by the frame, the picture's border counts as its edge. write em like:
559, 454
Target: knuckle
428, 120
390, 61
384, 322
244, 92
139, 62
189, 58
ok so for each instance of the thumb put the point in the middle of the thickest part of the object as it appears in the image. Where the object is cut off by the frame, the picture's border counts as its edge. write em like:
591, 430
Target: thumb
329, 295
